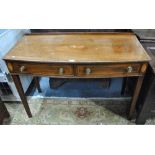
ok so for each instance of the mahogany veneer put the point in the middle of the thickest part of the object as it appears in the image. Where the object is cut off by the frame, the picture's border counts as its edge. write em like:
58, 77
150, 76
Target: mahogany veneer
78, 55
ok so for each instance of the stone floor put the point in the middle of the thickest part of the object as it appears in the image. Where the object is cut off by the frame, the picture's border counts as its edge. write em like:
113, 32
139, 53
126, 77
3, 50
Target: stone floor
71, 111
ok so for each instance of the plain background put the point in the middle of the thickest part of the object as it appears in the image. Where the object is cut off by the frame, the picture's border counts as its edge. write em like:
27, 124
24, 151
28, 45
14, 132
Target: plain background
70, 14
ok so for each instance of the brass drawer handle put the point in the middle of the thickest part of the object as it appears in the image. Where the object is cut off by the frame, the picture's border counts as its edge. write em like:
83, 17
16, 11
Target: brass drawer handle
88, 71
61, 71
22, 68
129, 69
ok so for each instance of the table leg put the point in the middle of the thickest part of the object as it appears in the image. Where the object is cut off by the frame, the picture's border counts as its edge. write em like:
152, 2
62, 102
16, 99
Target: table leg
37, 84
142, 117
4, 114
124, 85
20, 90
135, 96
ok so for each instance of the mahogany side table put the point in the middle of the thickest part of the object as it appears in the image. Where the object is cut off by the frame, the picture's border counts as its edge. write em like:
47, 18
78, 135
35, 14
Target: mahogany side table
78, 55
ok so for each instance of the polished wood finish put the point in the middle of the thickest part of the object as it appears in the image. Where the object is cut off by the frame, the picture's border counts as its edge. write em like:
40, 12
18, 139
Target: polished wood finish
102, 55
19, 87
41, 69
97, 48
135, 96
77, 70
108, 70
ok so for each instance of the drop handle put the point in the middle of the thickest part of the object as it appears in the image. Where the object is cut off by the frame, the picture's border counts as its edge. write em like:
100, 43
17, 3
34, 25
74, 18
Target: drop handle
88, 71
22, 68
129, 69
61, 71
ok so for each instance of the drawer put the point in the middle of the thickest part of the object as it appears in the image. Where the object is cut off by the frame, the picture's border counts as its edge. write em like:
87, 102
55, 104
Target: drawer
41, 69
106, 70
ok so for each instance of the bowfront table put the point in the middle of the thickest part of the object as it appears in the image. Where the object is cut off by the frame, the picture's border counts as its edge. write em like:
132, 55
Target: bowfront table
78, 55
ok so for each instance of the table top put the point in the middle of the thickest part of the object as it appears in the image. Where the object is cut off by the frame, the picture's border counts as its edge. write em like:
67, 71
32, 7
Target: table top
79, 48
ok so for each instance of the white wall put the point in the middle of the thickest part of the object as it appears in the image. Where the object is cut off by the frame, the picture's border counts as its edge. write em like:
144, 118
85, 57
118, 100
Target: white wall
8, 39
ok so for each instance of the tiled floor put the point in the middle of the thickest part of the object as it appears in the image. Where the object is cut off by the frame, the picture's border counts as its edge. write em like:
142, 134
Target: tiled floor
72, 111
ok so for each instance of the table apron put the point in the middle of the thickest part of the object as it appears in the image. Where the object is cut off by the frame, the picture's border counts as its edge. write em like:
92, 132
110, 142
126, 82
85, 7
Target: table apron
77, 70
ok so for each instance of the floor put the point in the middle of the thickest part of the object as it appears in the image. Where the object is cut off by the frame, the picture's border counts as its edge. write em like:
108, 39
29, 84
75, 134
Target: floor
63, 111
66, 105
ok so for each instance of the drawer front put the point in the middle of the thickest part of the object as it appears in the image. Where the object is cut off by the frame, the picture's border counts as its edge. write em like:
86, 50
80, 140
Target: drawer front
41, 69
113, 70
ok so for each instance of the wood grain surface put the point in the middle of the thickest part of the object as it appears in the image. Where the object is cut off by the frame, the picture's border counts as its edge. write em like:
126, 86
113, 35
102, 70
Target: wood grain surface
71, 48
70, 55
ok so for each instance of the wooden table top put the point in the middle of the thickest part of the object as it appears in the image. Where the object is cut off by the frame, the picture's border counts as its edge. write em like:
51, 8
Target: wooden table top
69, 48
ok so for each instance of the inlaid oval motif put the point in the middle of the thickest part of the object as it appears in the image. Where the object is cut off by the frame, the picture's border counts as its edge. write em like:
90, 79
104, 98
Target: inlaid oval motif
10, 67
144, 67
